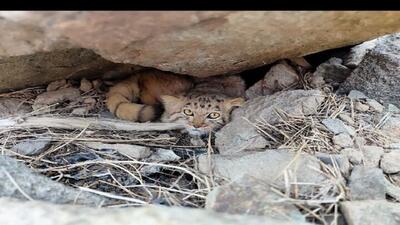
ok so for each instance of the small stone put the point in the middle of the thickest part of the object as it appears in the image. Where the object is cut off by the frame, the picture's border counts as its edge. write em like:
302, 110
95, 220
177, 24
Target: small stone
332, 71
90, 102
390, 162
355, 156
32, 146
375, 105
393, 109
361, 106
165, 155
359, 142
251, 196
346, 118
394, 146
395, 178
134, 151
343, 140
81, 111
58, 96
97, 84
279, 77
367, 184
337, 126
13, 107
55, 85
372, 155
317, 81
166, 136
355, 95
391, 128
150, 169
86, 85
197, 141
341, 160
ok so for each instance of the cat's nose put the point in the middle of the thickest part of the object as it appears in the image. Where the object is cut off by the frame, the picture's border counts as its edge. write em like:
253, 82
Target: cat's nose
197, 125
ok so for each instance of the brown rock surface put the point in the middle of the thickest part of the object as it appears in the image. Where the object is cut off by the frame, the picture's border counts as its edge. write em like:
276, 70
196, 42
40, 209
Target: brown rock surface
41, 47
243, 40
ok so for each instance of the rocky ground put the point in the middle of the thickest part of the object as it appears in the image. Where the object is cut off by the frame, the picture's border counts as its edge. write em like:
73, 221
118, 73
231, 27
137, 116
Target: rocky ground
314, 144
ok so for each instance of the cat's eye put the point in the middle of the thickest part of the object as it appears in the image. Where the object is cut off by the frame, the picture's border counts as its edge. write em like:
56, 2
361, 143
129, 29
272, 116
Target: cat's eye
213, 115
188, 112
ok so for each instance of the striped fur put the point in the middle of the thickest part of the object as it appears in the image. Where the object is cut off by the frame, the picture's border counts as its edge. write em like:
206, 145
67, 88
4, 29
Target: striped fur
140, 97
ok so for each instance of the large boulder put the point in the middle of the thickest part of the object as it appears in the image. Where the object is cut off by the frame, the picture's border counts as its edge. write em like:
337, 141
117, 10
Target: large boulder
41, 47
19, 181
38, 213
378, 74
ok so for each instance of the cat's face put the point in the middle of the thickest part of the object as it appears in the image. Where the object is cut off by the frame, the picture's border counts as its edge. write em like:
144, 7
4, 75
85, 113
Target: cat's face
200, 113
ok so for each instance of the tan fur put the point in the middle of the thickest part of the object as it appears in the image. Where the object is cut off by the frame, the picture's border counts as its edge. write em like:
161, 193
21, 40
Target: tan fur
144, 90
138, 97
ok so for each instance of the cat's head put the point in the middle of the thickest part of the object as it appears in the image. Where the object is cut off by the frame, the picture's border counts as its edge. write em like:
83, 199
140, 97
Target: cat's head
200, 113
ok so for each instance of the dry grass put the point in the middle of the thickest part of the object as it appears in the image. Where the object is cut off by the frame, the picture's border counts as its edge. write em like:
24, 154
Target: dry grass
108, 171
293, 131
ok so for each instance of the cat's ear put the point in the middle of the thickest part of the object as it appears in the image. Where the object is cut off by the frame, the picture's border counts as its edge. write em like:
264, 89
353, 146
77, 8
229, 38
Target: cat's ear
233, 102
171, 103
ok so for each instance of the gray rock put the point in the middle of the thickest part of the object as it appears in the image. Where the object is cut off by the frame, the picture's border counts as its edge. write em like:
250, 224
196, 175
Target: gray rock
86, 85
343, 140
338, 127
58, 96
281, 76
359, 142
252, 197
332, 71
395, 146
346, 118
134, 151
14, 212
58, 84
361, 106
372, 155
39, 187
376, 106
355, 95
13, 107
393, 109
340, 160
161, 154
367, 184
31, 146
390, 162
239, 134
355, 156
371, 212
268, 166
379, 70
391, 128
358, 52
81, 111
